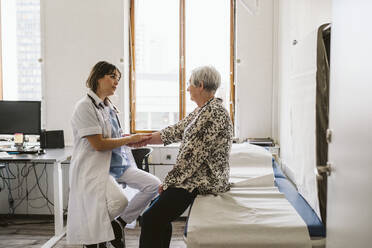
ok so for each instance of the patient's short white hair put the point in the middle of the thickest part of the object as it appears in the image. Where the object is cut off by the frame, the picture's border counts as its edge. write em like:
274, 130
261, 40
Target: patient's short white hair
210, 77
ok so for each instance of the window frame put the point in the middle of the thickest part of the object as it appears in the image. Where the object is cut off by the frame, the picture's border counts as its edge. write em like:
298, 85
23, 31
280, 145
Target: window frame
182, 62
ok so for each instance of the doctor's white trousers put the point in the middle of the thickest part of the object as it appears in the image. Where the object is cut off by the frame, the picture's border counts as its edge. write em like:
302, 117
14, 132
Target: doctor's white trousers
117, 203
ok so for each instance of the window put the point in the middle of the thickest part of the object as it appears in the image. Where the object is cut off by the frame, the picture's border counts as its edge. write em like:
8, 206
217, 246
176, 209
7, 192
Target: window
20, 50
156, 64
169, 38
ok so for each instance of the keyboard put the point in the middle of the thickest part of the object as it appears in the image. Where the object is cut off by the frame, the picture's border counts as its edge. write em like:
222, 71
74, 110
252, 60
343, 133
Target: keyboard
15, 150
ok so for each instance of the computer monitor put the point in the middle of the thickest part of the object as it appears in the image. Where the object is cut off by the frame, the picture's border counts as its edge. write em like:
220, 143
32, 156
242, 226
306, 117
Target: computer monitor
20, 117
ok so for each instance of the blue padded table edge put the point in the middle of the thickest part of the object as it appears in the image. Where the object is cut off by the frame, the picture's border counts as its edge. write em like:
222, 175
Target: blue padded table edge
314, 224
278, 173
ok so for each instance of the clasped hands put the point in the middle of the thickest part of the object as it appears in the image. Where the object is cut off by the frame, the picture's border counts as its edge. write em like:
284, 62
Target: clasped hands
139, 140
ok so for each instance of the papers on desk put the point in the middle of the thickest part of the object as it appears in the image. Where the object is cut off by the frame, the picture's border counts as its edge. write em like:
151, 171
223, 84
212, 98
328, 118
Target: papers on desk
5, 155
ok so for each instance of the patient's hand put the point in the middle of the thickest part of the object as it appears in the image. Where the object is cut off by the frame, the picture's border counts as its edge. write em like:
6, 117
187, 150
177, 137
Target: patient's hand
160, 190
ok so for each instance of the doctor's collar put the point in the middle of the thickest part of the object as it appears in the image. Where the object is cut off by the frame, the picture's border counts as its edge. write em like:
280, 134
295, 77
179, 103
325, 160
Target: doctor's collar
108, 102
98, 102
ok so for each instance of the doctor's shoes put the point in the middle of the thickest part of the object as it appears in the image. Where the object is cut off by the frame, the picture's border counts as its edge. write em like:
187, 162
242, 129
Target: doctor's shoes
119, 241
121, 222
100, 245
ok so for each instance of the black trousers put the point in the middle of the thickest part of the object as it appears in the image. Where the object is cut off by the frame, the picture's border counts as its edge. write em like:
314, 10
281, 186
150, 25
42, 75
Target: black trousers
156, 229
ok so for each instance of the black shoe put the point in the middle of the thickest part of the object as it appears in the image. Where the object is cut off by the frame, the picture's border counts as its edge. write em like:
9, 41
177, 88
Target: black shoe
119, 241
100, 245
121, 222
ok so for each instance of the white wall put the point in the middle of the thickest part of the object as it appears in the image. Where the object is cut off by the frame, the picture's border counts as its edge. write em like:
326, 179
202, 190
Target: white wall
254, 72
349, 212
299, 20
76, 35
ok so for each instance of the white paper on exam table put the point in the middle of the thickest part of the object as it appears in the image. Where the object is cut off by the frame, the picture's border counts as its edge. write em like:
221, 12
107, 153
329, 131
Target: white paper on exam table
5, 155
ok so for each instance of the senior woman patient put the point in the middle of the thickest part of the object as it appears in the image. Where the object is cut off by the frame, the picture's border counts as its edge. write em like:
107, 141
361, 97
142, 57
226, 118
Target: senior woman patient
202, 165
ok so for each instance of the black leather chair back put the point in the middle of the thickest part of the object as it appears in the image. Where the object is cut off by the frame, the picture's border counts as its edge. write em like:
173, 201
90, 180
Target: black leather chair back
141, 156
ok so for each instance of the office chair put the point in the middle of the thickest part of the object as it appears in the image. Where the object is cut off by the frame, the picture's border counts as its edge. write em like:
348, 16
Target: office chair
141, 156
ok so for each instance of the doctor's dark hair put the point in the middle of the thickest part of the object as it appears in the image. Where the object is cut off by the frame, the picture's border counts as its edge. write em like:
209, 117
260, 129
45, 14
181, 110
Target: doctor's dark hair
98, 71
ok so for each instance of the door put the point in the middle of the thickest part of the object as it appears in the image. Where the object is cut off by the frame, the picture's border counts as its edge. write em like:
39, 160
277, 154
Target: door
349, 215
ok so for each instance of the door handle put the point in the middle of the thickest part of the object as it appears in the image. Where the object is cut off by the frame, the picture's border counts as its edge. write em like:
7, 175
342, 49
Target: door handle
324, 169
329, 136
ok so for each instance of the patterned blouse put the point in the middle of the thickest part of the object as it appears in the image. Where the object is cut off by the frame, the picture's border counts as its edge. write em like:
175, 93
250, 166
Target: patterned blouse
203, 159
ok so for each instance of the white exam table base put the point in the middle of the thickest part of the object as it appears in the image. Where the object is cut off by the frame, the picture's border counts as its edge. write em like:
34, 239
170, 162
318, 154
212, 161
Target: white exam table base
317, 242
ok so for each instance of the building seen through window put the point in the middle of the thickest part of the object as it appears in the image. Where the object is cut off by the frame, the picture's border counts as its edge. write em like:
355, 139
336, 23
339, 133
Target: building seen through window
157, 56
21, 49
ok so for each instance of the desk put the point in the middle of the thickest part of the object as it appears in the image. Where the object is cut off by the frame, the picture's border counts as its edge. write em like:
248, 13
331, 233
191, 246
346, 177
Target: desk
55, 157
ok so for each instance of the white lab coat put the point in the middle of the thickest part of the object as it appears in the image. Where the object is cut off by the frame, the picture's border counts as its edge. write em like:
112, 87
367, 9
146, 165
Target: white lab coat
88, 218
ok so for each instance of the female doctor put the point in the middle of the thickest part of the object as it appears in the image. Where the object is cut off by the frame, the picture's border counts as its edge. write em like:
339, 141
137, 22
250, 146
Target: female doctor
98, 209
